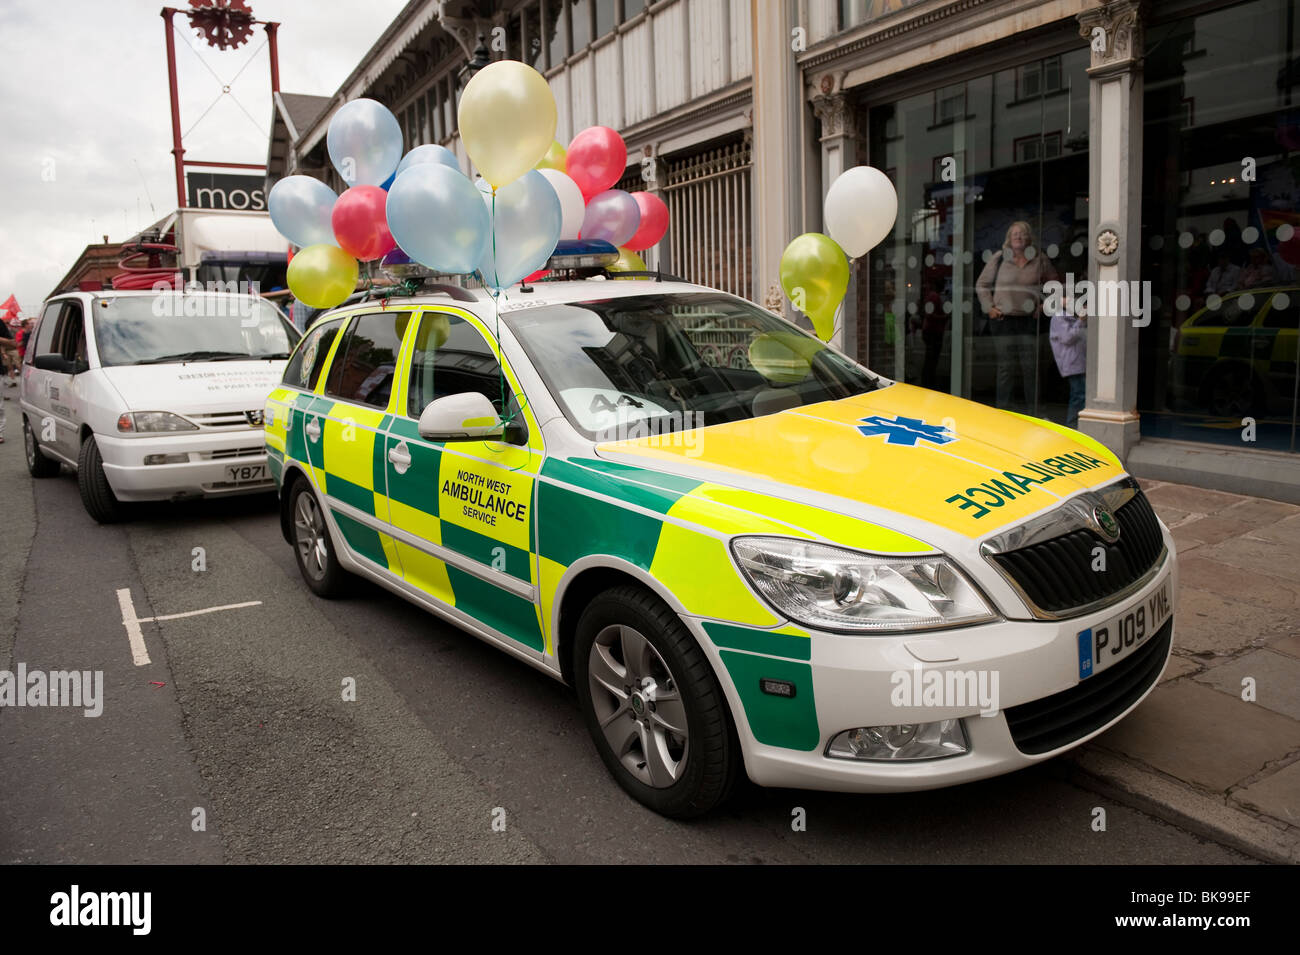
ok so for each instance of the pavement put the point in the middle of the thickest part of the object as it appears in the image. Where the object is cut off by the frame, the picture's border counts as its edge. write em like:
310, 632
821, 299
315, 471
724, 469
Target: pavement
1215, 748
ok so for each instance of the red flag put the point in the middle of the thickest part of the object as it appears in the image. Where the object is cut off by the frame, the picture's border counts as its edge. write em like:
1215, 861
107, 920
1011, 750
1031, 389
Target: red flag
11, 307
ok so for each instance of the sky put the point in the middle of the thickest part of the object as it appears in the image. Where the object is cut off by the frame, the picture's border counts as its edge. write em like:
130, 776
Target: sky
85, 125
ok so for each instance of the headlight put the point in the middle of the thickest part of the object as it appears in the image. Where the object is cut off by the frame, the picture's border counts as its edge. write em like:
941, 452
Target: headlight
141, 421
832, 588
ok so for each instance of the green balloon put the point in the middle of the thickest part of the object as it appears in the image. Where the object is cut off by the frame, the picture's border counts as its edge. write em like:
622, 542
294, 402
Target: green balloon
815, 275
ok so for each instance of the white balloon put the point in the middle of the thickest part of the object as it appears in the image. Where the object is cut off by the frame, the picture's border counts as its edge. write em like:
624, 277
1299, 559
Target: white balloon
861, 206
572, 205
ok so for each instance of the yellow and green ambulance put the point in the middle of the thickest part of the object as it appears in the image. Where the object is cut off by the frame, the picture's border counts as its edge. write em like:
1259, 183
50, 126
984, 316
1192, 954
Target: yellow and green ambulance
746, 552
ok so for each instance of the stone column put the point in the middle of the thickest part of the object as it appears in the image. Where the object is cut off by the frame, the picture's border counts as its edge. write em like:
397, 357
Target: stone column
839, 142
1114, 33
777, 167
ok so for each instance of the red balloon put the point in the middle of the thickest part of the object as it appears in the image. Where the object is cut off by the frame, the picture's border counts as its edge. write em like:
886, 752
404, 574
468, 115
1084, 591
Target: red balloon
596, 160
654, 222
535, 276
360, 223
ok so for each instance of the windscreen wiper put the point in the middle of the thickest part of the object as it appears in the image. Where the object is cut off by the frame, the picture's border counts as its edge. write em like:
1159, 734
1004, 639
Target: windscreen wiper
195, 356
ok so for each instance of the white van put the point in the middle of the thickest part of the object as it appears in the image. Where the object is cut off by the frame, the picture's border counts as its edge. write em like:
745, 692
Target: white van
152, 395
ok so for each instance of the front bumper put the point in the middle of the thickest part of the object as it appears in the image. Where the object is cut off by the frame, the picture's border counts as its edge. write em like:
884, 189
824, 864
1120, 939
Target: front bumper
852, 679
206, 473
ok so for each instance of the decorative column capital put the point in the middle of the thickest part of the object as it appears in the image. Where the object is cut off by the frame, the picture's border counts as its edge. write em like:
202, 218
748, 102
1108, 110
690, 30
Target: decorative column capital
837, 116
1114, 33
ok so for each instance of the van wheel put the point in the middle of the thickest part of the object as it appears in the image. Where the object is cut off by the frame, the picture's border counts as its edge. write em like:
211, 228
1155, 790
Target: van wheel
101, 503
653, 706
312, 545
38, 465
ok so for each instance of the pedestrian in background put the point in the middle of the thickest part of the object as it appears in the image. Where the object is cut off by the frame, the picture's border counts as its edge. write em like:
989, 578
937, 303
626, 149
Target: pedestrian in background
1069, 336
1010, 291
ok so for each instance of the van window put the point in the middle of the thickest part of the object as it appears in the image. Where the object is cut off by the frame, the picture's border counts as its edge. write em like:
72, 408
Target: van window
45, 331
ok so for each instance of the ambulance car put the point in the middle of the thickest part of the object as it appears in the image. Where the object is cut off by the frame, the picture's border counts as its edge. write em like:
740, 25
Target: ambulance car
781, 564
152, 395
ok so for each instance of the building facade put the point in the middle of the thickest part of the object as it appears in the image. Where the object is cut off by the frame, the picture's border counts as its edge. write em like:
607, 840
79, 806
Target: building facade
1145, 147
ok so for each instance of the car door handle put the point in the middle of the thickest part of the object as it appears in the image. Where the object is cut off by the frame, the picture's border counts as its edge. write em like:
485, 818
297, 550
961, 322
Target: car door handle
312, 427
400, 457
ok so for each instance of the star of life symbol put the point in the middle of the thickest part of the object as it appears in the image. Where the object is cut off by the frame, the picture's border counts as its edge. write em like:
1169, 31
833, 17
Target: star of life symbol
905, 431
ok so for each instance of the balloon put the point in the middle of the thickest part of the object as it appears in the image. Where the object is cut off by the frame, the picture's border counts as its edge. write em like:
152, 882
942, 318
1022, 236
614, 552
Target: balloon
322, 275
507, 120
596, 160
572, 208
628, 261
525, 227
533, 277
554, 158
300, 210
815, 274
360, 224
654, 221
613, 216
429, 153
861, 206
783, 358
388, 183
437, 218
364, 142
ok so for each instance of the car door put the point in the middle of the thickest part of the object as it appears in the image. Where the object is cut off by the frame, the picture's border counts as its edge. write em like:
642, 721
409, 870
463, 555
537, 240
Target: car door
61, 388
352, 413
462, 512
36, 381
304, 375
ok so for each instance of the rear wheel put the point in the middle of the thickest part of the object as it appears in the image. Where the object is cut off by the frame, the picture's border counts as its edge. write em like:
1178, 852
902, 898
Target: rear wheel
96, 494
38, 465
312, 545
653, 706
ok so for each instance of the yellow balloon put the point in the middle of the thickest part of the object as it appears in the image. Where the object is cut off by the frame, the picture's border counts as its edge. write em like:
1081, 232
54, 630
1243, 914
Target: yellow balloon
815, 274
628, 261
555, 158
507, 120
783, 358
322, 275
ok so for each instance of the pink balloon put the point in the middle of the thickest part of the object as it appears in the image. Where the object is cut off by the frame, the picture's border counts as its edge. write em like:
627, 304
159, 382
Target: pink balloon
613, 216
654, 222
360, 223
596, 160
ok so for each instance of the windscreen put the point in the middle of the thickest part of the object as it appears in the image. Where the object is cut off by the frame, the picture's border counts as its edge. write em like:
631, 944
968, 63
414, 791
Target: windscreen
158, 329
651, 364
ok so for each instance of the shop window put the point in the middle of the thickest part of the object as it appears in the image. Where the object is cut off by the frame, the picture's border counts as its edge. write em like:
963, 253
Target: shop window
580, 24
605, 16
555, 32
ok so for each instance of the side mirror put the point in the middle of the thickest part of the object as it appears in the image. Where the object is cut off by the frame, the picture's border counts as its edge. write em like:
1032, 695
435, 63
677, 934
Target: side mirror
468, 416
54, 362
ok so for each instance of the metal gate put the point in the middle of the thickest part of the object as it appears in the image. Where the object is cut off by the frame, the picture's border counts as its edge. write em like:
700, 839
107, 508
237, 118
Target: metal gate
709, 227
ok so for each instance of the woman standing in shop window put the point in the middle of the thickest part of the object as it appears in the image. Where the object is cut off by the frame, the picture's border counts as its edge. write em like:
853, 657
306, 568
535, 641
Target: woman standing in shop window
1010, 291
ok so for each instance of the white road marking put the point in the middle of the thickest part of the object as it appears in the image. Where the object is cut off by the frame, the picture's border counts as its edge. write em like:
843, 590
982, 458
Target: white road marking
139, 653
195, 613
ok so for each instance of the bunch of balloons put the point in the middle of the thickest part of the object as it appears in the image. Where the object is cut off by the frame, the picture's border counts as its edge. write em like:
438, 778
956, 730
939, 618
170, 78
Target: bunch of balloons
861, 206
583, 176
504, 227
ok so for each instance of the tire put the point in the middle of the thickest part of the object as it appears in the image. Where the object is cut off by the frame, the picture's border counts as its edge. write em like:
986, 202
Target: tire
38, 465
312, 546
100, 501
697, 763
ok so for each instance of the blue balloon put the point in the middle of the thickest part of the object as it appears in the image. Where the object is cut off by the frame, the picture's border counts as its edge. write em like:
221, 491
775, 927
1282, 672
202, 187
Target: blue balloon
364, 142
430, 153
438, 218
388, 183
525, 227
300, 208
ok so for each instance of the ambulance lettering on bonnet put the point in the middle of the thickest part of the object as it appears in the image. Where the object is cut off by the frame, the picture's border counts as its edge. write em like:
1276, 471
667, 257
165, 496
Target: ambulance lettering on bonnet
990, 494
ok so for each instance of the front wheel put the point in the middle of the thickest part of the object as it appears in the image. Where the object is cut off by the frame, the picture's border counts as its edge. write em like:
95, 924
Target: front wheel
653, 706
96, 494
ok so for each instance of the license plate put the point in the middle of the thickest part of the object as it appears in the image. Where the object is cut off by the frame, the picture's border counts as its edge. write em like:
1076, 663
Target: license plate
246, 473
1106, 644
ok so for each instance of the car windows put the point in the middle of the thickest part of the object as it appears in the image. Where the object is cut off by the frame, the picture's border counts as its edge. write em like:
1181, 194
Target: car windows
70, 337
304, 368
451, 357
365, 365
45, 333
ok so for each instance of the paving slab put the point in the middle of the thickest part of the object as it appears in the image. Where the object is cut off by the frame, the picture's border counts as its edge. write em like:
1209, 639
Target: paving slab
1179, 666
1277, 795
1208, 623
1258, 510
1194, 499
1277, 560
1290, 645
1202, 736
1201, 572
1284, 531
1213, 529
1276, 679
